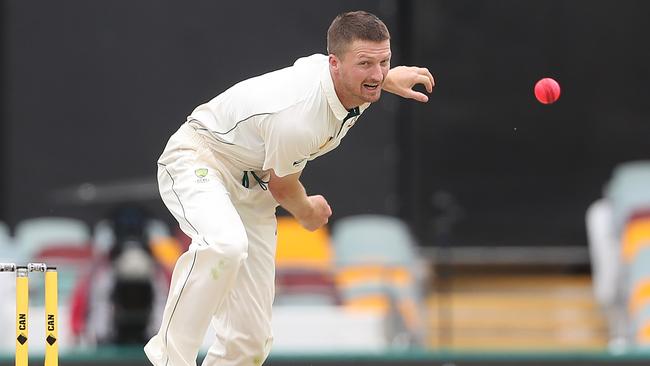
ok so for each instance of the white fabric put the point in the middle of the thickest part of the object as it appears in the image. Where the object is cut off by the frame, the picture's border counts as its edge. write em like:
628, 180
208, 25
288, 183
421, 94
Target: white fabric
278, 120
227, 274
604, 249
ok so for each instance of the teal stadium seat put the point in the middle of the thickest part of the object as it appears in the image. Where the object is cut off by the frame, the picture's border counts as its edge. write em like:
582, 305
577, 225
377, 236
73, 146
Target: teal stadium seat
628, 194
377, 270
32, 235
628, 191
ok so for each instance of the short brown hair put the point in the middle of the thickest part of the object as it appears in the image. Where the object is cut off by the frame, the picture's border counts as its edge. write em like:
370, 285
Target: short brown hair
357, 25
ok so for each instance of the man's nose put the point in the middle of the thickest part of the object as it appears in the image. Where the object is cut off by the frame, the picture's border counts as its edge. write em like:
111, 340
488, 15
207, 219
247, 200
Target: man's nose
376, 73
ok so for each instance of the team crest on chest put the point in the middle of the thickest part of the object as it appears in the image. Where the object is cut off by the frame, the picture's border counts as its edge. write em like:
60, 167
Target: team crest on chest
202, 175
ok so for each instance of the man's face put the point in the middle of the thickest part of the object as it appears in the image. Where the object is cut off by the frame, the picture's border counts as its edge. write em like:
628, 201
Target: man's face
360, 72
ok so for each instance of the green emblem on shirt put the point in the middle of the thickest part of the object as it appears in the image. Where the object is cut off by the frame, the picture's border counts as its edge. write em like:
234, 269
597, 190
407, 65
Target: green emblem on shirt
201, 172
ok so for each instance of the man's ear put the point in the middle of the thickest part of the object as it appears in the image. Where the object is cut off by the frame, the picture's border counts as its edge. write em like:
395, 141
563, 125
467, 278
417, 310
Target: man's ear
334, 62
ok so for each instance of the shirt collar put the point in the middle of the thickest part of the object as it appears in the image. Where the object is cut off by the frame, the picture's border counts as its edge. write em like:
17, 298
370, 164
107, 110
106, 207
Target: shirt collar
332, 99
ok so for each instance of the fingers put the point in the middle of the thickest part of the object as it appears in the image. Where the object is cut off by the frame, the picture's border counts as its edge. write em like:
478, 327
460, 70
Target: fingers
425, 78
404, 78
420, 97
428, 75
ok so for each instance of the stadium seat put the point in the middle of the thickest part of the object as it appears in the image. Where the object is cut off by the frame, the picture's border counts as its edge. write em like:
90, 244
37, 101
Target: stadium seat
72, 261
628, 191
617, 233
376, 270
304, 271
636, 255
33, 235
299, 248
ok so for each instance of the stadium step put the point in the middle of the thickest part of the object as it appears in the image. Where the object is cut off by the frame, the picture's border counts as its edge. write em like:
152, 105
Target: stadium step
516, 312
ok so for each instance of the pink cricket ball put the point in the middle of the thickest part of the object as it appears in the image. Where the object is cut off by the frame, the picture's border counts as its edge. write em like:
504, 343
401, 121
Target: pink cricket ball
547, 91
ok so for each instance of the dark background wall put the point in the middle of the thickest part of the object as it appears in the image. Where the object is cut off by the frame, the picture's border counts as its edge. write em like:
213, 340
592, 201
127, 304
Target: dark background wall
92, 91
4, 151
96, 88
523, 173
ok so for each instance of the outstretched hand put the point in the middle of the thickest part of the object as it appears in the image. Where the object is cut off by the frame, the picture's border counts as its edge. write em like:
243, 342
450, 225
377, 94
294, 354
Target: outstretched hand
401, 80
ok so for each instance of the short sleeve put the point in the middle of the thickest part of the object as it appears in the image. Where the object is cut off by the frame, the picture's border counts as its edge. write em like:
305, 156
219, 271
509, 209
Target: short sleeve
287, 145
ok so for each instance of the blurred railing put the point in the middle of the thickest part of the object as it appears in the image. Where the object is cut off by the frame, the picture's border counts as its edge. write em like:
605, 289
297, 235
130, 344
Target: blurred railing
135, 356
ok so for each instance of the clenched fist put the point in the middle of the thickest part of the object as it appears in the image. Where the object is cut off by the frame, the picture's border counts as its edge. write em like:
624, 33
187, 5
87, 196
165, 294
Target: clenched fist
319, 215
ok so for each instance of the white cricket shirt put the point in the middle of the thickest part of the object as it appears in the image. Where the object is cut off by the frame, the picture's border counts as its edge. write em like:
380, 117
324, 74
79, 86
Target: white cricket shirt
278, 120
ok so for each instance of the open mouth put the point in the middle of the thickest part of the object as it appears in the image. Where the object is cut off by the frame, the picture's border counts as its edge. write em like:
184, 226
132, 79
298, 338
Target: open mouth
371, 87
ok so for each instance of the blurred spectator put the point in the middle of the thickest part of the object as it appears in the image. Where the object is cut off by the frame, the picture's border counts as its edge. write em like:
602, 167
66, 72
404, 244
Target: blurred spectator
120, 301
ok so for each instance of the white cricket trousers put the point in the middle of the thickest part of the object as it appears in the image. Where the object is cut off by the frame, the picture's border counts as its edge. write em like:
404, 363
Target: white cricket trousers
227, 275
